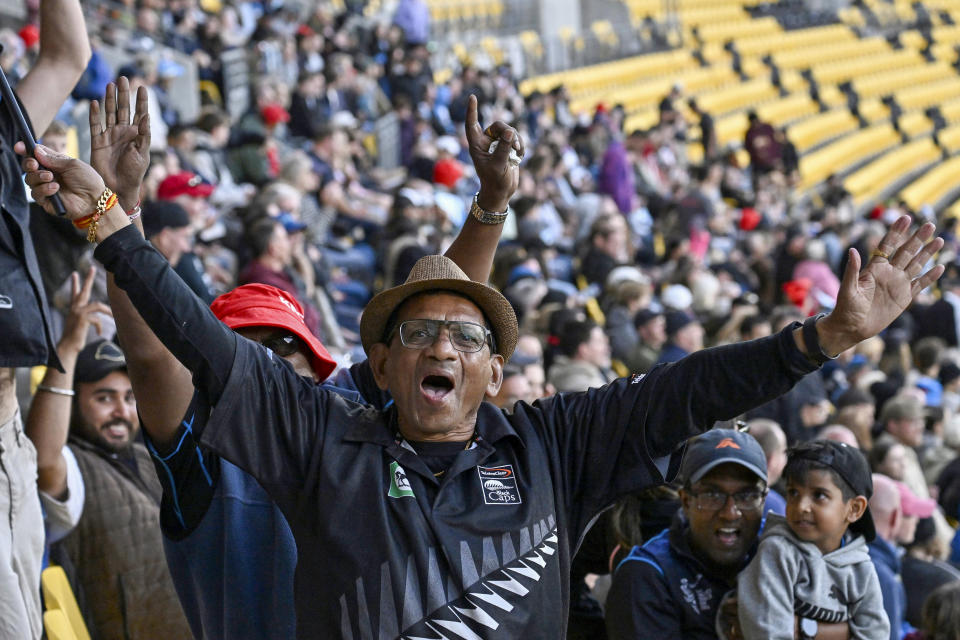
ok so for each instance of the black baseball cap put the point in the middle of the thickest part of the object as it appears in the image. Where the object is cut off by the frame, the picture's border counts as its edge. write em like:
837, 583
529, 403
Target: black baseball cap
850, 464
720, 446
161, 214
97, 360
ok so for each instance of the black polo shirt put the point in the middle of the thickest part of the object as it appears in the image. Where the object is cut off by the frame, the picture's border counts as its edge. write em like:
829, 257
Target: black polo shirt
24, 317
384, 548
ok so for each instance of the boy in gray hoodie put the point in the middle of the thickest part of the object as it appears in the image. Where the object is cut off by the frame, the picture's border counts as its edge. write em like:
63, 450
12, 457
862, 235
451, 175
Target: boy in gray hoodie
812, 566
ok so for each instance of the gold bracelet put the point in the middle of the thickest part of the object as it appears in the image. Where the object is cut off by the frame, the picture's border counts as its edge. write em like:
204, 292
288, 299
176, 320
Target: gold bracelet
108, 199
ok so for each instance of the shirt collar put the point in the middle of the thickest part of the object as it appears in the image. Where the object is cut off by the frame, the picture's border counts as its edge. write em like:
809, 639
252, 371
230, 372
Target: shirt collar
378, 427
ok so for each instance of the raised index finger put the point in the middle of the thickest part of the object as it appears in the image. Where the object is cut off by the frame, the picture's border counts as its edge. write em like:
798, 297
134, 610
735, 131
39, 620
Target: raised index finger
123, 100
472, 123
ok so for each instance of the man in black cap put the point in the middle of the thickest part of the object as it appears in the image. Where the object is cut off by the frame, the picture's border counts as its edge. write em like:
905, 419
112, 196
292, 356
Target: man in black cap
116, 546
671, 587
684, 336
166, 225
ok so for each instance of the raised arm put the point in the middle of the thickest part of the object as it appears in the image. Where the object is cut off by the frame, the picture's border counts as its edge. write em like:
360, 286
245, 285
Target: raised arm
49, 421
474, 247
64, 54
120, 153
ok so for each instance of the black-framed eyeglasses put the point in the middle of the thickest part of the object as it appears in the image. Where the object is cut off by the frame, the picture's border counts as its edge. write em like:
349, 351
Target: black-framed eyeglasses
284, 344
744, 501
464, 336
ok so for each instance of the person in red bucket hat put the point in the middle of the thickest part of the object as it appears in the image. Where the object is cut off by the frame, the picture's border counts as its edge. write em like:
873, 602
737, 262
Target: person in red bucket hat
261, 308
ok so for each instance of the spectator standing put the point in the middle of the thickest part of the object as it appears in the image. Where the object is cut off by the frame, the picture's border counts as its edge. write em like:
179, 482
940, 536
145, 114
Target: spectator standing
25, 321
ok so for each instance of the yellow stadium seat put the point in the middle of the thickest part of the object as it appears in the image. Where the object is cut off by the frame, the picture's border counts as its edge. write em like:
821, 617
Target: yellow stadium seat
737, 96
951, 110
57, 626
950, 138
58, 595
929, 94
839, 155
819, 128
914, 124
871, 180
934, 185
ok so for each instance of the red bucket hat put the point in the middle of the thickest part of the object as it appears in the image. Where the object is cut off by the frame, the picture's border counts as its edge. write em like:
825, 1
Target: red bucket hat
262, 305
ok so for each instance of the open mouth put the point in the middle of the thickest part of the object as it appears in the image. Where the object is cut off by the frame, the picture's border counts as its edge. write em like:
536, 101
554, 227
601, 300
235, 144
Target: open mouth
728, 536
116, 431
436, 386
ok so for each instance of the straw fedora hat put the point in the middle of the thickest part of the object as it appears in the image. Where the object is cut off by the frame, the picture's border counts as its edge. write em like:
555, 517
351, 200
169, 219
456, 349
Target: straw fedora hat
439, 273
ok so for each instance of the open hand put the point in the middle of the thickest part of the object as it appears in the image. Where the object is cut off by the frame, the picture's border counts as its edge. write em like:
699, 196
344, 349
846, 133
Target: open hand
499, 178
50, 172
871, 299
82, 313
119, 147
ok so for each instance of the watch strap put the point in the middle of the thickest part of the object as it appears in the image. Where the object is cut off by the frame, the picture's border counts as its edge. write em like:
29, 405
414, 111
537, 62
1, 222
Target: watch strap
811, 341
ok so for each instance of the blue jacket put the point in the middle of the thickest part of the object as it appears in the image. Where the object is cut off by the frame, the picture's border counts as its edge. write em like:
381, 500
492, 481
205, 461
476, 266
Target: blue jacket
662, 590
886, 559
229, 549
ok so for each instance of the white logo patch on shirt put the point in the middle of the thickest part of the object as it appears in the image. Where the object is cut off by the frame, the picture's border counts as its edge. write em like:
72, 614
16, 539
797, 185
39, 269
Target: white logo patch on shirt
499, 485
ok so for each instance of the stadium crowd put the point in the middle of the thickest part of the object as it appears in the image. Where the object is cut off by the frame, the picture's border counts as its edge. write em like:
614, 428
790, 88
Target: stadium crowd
618, 258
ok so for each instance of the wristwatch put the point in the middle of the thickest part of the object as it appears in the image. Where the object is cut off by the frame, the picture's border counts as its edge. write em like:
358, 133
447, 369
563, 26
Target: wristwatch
811, 341
487, 217
808, 629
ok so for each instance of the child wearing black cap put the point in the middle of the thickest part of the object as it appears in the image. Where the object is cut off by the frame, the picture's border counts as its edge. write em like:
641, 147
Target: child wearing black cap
812, 566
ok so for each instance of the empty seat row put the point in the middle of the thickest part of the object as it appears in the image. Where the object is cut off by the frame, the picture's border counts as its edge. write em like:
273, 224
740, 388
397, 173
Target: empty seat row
840, 155
934, 185
870, 181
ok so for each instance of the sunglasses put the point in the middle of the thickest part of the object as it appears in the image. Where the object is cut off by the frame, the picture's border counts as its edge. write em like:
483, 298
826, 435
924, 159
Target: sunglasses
284, 344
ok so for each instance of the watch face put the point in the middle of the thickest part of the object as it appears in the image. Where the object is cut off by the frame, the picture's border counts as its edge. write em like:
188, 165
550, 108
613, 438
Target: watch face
809, 627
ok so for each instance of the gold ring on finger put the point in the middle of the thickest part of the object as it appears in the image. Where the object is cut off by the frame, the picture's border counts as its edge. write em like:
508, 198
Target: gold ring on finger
879, 253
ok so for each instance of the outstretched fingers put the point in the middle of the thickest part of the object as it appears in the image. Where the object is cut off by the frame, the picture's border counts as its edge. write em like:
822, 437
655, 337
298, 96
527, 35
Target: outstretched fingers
141, 111
908, 250
926, 280
123, 101
892, 240
96, 126
110, 104
915, 266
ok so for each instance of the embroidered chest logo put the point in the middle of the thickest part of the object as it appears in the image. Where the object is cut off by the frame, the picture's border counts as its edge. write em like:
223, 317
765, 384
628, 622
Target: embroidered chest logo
696, 596
399, 484
499, 485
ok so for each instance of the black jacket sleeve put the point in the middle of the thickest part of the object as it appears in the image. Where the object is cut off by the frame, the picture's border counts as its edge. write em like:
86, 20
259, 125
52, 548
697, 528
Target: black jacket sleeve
608, 438
182, 322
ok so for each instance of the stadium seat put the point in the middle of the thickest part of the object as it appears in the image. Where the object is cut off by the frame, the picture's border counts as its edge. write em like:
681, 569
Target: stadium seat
929, 94
934, 185
841, 154
870, 181
57, 595
57, 626
914, 124
817, 129
950, 138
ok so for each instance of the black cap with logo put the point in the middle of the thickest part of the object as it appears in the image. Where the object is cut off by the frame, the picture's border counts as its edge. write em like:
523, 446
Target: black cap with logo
97, 360
720, 446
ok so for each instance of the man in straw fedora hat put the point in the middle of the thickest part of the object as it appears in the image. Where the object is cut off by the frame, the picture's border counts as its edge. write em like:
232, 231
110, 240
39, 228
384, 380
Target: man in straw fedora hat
441, 515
